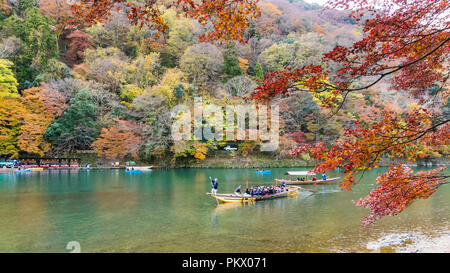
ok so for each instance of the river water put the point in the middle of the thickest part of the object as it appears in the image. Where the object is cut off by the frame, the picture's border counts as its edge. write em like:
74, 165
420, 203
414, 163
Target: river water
168, 211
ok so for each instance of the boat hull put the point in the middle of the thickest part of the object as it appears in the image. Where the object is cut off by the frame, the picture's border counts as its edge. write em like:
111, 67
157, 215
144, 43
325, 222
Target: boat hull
309, 182
232, 198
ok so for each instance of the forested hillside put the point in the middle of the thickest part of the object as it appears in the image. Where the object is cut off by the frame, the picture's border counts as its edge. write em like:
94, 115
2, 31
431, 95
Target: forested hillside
67, 87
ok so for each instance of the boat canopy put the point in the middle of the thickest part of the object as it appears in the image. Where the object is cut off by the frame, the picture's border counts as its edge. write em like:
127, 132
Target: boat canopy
301, 173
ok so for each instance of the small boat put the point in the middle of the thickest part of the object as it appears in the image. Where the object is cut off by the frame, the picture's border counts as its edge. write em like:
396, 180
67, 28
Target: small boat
143, 168
36, 169
233, 198
131, 170
307, 181
264, 172
23, 171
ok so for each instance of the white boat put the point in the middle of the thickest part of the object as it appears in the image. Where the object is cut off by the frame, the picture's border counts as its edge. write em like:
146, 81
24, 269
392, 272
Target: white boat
142, 168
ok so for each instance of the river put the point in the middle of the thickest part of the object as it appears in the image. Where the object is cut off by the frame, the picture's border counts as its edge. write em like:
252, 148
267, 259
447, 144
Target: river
168, 211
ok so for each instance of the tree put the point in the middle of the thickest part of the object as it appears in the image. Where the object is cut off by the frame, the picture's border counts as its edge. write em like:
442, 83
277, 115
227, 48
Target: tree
231, 62
77, 128
259, 75
240, 86
229, 18
406, 43
10, 112
39, 45
202, 63
79, 42
35, 120
8, 83
120, 140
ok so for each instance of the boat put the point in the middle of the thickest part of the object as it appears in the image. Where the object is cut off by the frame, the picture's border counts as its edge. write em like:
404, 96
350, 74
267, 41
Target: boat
23, 171
233, 198
307, 181
143, 168
36, 169
131, 170
264, 172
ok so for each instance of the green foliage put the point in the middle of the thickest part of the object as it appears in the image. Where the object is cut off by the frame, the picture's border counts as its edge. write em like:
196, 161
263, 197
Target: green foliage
77, 128
231, 64
259, 74
39, 45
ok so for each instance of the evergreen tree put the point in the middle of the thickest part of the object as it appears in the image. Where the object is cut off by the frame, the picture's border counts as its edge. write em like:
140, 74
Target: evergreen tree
77, 128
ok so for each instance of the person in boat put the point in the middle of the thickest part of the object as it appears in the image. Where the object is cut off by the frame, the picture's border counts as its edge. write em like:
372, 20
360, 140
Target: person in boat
283, 183
314, 178
324, 176
237, 191
214, 185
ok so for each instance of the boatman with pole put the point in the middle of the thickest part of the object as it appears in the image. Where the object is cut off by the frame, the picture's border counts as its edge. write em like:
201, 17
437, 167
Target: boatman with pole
214, 185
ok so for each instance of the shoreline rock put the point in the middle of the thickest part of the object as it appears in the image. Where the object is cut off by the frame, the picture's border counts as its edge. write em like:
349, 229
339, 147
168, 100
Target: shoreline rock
412, 243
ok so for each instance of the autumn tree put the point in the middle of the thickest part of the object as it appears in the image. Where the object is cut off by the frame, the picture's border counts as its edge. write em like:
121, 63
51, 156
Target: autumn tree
79, 42
120, 140
8, 82
406, 45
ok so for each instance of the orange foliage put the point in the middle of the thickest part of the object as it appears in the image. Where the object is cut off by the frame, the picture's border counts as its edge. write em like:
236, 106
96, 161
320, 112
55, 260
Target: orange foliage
119, 141
229, 18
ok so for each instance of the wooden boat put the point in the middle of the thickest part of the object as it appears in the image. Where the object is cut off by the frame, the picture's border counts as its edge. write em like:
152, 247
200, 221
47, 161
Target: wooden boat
233, 198
307, 180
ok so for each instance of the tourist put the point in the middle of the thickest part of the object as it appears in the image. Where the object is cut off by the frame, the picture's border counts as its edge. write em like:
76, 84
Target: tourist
324, 176
237, 191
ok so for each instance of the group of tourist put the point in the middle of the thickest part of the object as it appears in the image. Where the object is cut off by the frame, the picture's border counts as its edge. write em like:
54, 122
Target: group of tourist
264, 190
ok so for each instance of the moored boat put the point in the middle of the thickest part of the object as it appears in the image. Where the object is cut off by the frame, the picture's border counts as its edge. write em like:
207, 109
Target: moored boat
143, 168
131, 170
233, 198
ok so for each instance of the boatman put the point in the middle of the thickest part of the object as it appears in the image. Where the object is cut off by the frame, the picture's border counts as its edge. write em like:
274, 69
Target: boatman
214, 185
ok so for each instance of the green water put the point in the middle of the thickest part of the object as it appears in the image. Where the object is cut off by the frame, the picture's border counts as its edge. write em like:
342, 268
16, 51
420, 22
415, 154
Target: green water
168, 211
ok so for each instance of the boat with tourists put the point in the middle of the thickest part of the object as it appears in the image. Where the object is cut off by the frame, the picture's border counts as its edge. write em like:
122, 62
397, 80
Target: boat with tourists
246, 198
306, 178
